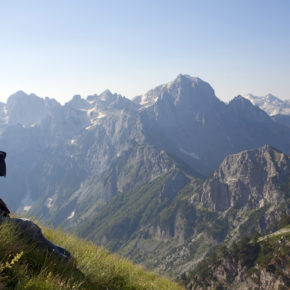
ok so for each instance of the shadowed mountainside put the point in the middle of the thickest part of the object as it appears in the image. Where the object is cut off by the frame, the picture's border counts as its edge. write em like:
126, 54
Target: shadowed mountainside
174, 221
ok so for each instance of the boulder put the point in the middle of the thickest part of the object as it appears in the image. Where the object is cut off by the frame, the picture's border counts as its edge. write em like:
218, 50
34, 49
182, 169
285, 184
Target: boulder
35, 236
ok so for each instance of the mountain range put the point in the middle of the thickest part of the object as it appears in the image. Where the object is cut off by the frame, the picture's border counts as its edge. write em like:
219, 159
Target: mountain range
278, 109
162, 178
270, 104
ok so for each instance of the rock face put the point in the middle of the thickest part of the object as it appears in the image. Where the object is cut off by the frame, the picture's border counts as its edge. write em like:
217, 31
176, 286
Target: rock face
247, 179
185, 118
28, 109
255, 264
249, 191
174, 221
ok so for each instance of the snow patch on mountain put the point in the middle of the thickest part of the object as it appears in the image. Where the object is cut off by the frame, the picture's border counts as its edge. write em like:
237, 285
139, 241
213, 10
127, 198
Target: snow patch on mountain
71, 215
270, 104
91, 111
101, 115
90, 127
26, 203
48, 202
191, 154
96, 120
145, 101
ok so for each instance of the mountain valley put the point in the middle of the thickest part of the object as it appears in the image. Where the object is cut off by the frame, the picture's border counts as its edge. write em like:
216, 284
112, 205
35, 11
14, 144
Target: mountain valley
162, 179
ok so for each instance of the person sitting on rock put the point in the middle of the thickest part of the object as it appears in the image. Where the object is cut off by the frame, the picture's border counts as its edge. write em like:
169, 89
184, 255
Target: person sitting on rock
4, 211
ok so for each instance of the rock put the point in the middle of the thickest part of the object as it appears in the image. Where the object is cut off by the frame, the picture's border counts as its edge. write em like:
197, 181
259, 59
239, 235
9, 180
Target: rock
249, 179
35, 235
256, 265
4, 211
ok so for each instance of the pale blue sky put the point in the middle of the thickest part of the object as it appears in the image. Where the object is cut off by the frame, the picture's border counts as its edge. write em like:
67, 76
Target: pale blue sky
59, 48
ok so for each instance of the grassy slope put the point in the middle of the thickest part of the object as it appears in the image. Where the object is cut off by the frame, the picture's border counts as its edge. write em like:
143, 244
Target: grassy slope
129, 211
23, 266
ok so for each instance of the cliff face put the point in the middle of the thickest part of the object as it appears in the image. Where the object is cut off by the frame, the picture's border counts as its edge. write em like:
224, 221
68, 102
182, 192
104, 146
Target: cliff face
248, 179
174, 221
254, 264
249, 191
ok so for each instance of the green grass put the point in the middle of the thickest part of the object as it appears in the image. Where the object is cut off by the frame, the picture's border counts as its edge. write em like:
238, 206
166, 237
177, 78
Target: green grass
142, 207
24, 266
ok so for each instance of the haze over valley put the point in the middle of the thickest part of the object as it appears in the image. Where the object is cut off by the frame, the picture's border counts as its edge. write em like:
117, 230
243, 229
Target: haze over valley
162, 179
144, 144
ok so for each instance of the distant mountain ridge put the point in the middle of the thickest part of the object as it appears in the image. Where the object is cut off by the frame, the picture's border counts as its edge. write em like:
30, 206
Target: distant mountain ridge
188, 118
270, 104
175, 220
27, 109
86, 138
147, 174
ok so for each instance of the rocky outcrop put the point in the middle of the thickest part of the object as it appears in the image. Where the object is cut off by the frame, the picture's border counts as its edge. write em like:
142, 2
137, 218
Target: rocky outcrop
28, 110
248, 179
175, 220
33, 234
255, 264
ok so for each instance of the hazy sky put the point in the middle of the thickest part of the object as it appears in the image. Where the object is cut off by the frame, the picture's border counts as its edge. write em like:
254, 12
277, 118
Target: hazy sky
59, 48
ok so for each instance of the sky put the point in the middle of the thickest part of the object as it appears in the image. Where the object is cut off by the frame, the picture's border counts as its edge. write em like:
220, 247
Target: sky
59, 48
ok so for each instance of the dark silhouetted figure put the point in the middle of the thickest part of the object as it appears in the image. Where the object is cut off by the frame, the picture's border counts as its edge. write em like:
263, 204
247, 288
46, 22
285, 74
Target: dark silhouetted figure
2, 163
4, 211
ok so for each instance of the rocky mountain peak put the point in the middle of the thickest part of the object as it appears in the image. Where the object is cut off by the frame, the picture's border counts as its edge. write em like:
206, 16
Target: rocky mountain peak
246, 179
24, 109
92, 98
77, 98
78, 103
260, 99
27, 110
107, 95
240, 101
21, 96
110, 102
272, 98
104, 99
244, 108
184, 79
185, 91
271, 104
